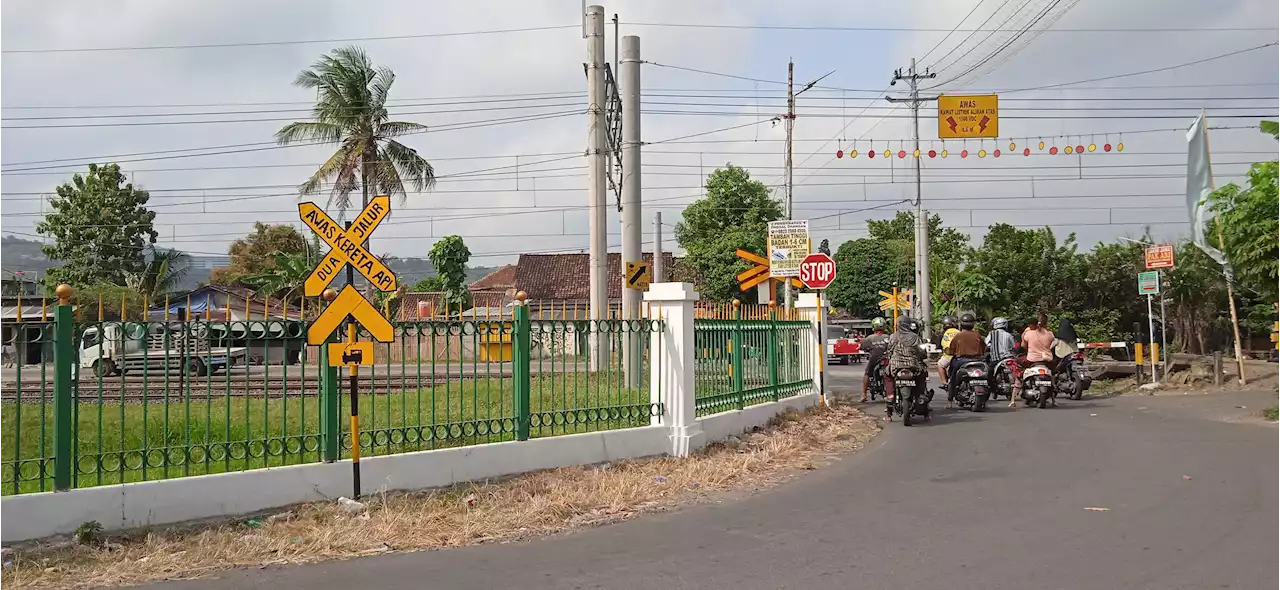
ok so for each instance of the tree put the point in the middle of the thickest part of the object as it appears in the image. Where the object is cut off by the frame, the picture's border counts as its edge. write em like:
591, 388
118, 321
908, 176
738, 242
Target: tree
351, 111
284, 278
254, 254
100, 226
161, 272
864, 267
428, 285
450, 256
734, 214
945, 244
1249, 226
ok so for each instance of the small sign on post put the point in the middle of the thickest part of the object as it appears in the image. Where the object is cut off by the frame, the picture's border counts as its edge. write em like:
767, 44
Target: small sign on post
961, 117
638, 275
817, 271
1159, 256
1149, 283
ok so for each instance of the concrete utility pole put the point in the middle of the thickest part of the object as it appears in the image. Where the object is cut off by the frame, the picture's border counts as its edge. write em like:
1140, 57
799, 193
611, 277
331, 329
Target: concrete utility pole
658, 277
597, 174
629, 89
922, 295
787, 173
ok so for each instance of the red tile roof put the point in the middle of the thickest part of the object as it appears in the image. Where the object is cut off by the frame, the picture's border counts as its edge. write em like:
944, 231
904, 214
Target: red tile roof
499, 280
567, 276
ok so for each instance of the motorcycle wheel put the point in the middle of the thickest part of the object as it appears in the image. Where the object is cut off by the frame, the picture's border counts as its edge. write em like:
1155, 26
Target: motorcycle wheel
1043, 399
907, 409
1077, 387
980, 402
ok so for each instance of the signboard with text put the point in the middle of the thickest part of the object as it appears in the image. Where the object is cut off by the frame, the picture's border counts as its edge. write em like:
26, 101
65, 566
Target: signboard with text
788, 245
817, 271
1149, 283
968, 117
1159, 256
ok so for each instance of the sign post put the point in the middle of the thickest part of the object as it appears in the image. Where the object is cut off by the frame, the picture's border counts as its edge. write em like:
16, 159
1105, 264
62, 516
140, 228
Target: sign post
1160, 256
967, 117
349, 306
788, 244
895, 302
817, 271
1149, 285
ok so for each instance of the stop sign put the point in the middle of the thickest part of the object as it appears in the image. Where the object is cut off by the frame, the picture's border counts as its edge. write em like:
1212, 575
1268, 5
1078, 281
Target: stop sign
817, 271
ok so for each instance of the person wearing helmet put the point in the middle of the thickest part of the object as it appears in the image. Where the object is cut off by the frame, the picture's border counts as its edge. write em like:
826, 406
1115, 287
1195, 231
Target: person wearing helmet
949, 331
874, 345
904, 351
966, 346
1001, 346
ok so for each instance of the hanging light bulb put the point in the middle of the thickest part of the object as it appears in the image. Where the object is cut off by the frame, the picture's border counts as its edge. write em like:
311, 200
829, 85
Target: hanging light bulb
1012, 146
839, 154
1079, 149
964, 153
1068, 149
1026, 151
982, 153
915, 154
1041, 147
944, 152
1092, 145
997, 152
933, 153
852, 154
1053, 151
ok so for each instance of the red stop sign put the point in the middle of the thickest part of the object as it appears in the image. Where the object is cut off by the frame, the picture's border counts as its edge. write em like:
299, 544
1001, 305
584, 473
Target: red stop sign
817, 271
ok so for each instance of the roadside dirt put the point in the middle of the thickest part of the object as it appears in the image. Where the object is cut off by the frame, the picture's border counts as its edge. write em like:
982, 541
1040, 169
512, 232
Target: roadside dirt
531, 505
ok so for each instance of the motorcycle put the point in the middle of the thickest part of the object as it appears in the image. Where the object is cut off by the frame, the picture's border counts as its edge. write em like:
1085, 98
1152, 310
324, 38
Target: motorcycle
907, 400
1003, 376
877, 387
1071, 379
1037, 386
972, 390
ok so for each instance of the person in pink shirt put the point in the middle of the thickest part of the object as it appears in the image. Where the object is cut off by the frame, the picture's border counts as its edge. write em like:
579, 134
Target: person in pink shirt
1037, 340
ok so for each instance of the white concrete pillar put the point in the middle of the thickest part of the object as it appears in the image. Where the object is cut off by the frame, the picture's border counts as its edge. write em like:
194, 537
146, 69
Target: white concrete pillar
814, 342
671, 364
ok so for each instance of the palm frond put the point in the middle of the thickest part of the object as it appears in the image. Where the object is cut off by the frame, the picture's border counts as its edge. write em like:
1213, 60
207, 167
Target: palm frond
391, 129
321, 132
414, 169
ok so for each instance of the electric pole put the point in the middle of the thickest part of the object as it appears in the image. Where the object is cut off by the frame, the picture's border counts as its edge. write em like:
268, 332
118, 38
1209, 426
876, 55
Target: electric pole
787, 174
629, 89
597, 175
922, 218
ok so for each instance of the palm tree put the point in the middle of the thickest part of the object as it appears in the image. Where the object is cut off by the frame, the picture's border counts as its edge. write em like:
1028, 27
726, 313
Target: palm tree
284, 279
351, 111
161, 272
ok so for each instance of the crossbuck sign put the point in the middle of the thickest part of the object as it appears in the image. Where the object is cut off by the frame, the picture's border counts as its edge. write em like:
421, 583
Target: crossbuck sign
346, 249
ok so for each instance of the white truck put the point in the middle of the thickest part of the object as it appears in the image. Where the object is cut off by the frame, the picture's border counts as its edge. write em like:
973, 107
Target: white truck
155, 346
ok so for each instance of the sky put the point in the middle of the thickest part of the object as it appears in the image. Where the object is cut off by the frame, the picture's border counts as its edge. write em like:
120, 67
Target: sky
506, 110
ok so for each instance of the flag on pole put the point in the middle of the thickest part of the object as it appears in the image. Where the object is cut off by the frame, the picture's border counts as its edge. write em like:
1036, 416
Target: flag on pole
1199, 185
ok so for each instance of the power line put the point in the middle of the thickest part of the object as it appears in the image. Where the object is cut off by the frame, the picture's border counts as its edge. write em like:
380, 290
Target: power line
291, 42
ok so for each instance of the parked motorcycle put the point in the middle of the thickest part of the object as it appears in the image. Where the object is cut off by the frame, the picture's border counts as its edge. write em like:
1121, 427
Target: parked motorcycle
972, 386
1037, 386
906, 400
1071, 379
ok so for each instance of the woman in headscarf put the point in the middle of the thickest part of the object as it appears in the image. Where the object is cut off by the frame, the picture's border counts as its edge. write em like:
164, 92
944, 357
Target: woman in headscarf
1065, 340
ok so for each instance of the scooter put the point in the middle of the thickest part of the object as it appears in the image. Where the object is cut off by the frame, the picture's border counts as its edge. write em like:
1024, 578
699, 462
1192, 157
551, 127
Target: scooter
1071, 379
972, 386
1037, 386
906, 400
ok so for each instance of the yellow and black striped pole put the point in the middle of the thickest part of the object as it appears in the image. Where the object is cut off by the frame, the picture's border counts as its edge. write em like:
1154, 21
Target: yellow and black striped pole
353, 369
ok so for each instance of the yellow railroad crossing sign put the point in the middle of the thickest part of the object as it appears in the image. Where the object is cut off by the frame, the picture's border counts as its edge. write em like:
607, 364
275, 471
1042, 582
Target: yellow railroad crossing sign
349, 303
900, 302
346, 246
758, 273
638, 275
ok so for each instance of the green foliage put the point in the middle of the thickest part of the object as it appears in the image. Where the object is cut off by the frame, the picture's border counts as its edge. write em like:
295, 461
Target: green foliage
351, 111
284, 278
864, 267
428, 285
1270, 127
100, 226
161, 272
734, 214
945, 244
1250, 229
111, 297
88, 533
450, 256
254, 254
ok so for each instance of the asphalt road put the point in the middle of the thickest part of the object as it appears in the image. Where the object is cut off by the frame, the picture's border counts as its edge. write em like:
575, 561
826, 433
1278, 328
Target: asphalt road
993, 501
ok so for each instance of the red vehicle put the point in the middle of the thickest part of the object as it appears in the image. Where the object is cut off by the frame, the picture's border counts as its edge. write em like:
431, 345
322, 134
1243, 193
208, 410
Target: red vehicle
842, 348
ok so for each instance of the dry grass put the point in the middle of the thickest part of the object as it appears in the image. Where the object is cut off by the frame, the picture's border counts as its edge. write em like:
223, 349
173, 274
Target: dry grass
535, 504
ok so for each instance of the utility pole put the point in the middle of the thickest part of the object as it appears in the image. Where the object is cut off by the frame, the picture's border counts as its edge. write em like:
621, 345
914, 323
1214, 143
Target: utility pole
658, 277
597, 174
629, 89
922, 218
788, 175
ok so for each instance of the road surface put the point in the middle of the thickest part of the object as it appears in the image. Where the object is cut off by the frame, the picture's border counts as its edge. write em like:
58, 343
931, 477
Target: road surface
1002, 500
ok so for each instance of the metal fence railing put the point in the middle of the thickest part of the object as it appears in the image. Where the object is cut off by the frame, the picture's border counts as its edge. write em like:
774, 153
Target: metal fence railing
743, 362
97, 403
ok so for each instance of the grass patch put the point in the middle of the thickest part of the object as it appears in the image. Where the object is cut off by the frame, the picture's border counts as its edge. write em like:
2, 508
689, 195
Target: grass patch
212, 433
530, 505
1272, 413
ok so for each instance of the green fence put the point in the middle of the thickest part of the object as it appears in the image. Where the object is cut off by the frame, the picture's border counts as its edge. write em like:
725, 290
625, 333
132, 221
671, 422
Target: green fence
151, 400
743, 362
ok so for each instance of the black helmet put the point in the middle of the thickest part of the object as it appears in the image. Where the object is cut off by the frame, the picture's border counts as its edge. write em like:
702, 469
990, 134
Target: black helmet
948, 322
967, 320
910, 324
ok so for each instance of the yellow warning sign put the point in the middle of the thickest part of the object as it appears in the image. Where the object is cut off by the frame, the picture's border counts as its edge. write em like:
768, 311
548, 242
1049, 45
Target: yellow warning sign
638, 275
346, 246
961, 117
349, 303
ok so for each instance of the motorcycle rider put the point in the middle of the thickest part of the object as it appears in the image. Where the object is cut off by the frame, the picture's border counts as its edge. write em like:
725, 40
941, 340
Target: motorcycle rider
949, 331
874, 345
905, 353
1000, 347
1038, 341
1065, 341
966, 346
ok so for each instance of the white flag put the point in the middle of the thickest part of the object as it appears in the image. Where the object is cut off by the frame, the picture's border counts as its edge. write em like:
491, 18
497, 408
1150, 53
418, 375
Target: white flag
1199, 185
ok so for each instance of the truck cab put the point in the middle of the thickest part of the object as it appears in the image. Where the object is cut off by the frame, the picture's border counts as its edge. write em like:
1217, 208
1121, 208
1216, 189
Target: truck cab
118, 348
841, 348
